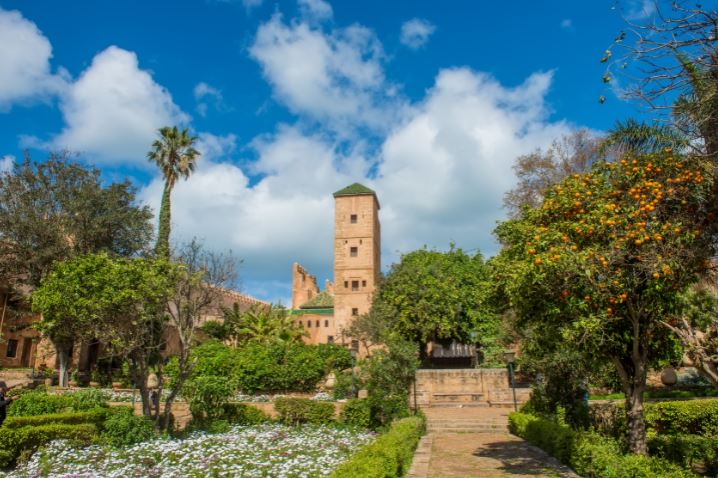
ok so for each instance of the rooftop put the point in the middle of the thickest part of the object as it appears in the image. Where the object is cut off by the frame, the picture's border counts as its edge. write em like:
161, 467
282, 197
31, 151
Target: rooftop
323, 300
355, 189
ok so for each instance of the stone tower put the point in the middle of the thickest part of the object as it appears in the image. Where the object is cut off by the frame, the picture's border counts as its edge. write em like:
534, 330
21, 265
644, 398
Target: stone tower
357, 251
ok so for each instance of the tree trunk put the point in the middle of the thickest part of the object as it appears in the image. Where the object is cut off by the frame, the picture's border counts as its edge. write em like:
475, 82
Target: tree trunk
140, 372
162, 249
634, 413
63, 349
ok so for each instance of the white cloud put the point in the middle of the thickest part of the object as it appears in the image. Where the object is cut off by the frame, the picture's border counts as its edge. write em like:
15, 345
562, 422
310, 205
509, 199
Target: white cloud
6, 163
640, 9
333, 77
114, 108
315, 9
205, 94
416, 32
567, 23
25, 53
440, 176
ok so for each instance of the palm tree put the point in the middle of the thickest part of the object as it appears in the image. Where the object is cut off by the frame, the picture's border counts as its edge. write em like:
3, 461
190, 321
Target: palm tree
174, 153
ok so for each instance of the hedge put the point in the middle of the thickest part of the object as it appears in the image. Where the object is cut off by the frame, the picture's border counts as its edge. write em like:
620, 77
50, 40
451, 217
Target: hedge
690, 417
96, 417
689, 451
590, 454
294, 411
15, 441
42, 403
389, 456
357, 413
243, 414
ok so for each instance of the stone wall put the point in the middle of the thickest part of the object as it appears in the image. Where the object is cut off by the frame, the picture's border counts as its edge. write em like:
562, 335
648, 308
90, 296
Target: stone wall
466, 386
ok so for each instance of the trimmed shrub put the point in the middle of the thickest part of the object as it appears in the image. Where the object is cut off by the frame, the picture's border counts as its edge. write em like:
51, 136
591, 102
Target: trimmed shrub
96, 417
26, 440
691, 417
42, 403
389, 456
207, 395
690, 451
357, 413
589, 453
295, 411
87, 399
39, 403
243, 414
124, 428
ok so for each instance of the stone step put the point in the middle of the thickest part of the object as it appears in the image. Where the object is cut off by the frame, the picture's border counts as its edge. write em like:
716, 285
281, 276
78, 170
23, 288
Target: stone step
458, 404
494, 429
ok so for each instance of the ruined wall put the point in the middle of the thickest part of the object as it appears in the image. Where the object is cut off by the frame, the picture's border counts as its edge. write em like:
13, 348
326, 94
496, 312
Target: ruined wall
304, 286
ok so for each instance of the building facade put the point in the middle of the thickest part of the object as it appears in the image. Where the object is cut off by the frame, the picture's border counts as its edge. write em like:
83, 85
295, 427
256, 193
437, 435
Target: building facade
357, 251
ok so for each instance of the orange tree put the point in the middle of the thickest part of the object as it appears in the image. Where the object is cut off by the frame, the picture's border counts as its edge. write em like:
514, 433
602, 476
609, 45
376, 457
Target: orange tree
604, 258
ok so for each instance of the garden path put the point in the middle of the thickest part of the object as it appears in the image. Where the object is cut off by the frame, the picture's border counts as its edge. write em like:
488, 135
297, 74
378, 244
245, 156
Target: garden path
475, 442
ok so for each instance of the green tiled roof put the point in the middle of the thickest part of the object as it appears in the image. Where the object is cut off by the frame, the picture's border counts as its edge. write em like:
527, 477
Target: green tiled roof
313, 311
323, 300
355, 189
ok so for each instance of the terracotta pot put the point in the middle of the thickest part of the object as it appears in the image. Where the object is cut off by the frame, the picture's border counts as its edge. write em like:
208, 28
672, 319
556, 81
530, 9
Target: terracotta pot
116, 385
669, 377
48, 382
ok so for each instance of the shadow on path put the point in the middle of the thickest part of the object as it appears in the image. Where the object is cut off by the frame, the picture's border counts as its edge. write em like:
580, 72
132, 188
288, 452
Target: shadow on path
516, 458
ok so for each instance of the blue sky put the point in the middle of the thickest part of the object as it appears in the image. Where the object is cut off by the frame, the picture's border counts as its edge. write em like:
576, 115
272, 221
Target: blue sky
427, 102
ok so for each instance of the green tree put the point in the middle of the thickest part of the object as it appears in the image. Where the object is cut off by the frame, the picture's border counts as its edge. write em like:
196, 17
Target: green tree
438, 296
97, 297
605, 258
54, 210
174, 154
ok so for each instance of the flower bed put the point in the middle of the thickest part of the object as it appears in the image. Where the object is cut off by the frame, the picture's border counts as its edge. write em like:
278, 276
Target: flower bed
268, 450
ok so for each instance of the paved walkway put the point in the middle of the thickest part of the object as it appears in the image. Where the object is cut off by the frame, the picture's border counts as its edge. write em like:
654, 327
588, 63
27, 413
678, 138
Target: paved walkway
475, 442
490, 455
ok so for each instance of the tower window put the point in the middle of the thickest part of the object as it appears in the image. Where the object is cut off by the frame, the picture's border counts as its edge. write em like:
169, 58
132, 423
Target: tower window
353, 251
309, 323
363, 283
355, 311
330, 339
317, 324
353, 218
326, 323
346, 284
355, 285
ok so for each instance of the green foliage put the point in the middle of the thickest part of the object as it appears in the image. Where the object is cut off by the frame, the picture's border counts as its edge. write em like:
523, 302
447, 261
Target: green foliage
123, 428
389, 456
96, 417
388, 375
335, 356
39, 403
175, 156
357, 413
42, 403
432, 295
42, 204
589, 453
207, 395
689, 451
693, 417
87, 399
262, 368
295, 411
15, 441
244, 414
262, 324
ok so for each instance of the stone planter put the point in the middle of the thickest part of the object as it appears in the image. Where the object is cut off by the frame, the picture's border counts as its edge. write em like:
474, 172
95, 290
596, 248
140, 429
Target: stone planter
116, 385
95, 384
